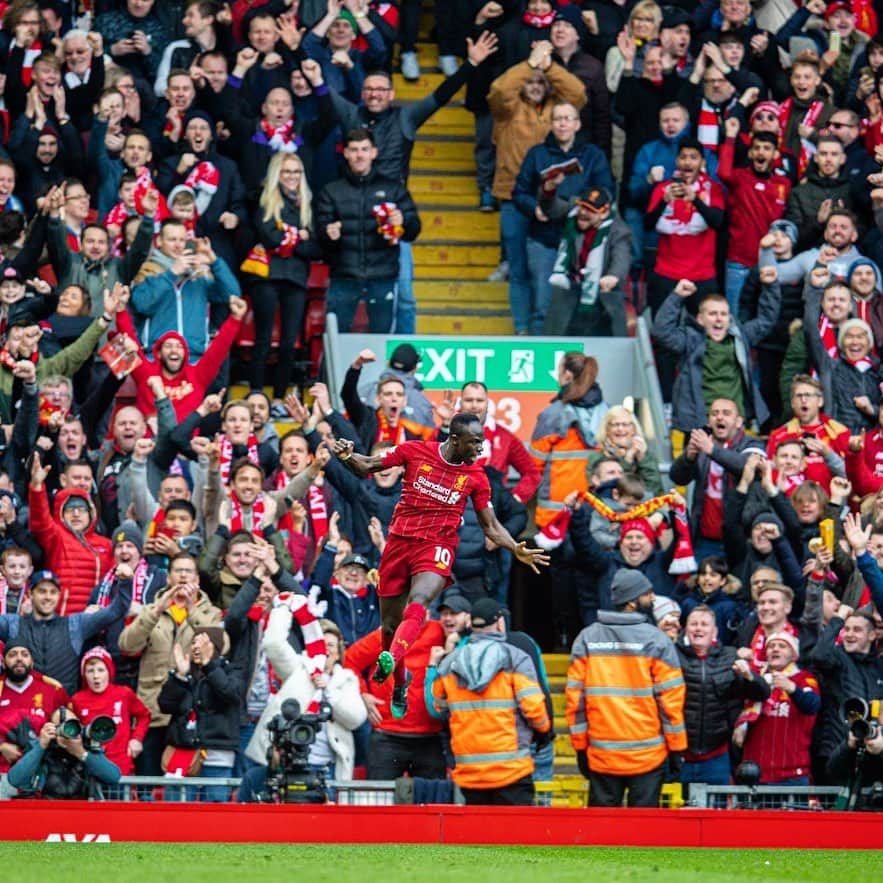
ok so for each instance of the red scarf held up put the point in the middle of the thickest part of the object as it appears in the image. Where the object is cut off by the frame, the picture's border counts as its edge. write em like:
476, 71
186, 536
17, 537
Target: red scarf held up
237, 515
810, 119
226, 454
533, 20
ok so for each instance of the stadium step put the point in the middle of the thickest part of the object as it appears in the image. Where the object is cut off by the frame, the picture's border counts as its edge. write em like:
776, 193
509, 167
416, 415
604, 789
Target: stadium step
455, 190
489, 295
458, 225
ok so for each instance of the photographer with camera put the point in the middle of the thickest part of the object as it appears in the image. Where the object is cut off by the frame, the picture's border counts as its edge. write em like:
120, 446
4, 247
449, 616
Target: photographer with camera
850, 669
297, 747
203, 695
66, 761
857, 762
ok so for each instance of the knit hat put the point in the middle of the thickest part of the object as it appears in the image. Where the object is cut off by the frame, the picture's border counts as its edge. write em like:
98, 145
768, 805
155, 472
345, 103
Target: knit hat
572, 15
863, 262
791, 640
485, 612
129, 532
767, 517
198, 114
176, 191
456, 603
836, 6
852, 325
101, 654
663, 606
789, 228
639, 524
404, 358
346, 15
215, 634
628, 585
675, 17
11, 643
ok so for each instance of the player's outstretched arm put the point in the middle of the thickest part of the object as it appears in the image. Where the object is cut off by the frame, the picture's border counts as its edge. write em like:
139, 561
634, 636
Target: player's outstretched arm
358, 464
498, 534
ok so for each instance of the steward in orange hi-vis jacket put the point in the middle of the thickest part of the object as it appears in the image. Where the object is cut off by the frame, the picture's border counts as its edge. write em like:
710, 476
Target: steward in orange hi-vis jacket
625, 699
489, 692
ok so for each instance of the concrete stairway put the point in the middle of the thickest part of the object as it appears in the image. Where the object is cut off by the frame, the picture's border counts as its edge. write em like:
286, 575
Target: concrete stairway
459, 246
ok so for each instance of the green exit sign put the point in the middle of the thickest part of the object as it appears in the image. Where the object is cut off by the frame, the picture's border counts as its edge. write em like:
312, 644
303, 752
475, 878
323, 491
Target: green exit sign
520, 365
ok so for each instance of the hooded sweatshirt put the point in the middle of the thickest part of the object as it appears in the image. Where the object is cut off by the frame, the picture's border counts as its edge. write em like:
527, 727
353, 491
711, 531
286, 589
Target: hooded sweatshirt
79, 559
129, 713
188, 387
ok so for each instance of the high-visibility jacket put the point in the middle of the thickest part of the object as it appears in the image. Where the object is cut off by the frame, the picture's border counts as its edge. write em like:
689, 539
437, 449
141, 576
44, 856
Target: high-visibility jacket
488, 690
561, 444
625, 695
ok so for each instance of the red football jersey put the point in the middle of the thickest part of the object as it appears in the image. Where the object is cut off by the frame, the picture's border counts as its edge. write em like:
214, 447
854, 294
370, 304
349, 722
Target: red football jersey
434, 492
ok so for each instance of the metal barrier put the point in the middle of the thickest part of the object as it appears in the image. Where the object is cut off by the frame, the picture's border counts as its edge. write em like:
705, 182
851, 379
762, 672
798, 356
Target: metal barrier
787, 797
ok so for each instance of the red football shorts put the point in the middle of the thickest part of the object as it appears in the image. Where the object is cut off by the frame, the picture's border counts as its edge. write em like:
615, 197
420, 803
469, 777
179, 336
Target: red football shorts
405, 556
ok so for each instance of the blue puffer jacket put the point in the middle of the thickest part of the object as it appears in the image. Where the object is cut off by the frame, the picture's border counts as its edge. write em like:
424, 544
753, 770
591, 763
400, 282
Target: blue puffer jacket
661, 152
595, 173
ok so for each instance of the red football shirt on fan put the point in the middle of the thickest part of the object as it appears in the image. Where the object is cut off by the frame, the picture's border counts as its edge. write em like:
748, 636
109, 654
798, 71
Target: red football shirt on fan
434, 492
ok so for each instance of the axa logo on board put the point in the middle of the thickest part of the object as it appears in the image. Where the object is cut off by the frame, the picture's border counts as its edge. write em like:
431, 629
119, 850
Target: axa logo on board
74, 838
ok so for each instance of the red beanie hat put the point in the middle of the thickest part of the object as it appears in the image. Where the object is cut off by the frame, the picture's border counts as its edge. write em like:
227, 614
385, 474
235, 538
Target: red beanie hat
640, 524
98, 653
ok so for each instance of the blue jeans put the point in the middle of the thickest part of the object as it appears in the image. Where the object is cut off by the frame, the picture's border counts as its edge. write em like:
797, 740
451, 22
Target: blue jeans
714, 771
736, 274
379, 296
540, 263
244, 764
211, 793
406, 304
634, 217
513, 233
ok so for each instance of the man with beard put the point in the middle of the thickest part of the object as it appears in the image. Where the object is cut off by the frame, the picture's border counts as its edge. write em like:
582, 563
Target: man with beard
185, 383
56, 642
756, 198
26, 695
713, 460
625, 706
826, 186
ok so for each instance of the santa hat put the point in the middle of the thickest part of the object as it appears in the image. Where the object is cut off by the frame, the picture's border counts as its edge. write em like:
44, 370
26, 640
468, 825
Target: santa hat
552, 535
102, 655
772, 107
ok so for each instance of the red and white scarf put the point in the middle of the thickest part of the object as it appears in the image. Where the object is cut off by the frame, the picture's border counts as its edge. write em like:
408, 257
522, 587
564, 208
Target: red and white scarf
535, 20
758, 644
680, 217
392, 233
203, 180
314, 640
788, 483
139, 581
810, 118
318, 512
708, 127
861, 365
226, 454
290, 239
237, 516
7, 359
281, 139
828, 333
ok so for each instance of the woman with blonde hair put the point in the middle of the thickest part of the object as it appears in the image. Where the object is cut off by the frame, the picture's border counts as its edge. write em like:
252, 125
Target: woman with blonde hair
620, 436
641, 31
283, 224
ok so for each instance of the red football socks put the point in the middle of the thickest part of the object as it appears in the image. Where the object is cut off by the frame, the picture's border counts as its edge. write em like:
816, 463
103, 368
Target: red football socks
408, 631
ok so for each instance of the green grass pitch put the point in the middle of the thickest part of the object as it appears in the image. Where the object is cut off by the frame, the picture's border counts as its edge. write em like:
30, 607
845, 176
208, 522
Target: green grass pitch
217, 863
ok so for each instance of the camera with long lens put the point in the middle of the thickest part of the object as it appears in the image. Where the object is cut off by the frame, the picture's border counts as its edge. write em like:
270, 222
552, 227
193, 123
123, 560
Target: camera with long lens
861, 718
289, 776
94, 734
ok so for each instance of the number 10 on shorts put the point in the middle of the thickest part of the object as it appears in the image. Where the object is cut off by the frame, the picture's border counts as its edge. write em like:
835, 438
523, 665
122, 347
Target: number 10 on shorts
442, 557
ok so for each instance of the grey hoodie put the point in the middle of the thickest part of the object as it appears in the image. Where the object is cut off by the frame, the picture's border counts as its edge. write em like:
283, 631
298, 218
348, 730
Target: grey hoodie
479, 661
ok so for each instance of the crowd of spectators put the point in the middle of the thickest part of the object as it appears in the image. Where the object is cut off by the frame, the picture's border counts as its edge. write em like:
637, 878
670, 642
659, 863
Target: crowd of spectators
183, 562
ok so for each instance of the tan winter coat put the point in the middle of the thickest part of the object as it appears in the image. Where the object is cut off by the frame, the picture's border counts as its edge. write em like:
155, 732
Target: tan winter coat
518, 125
153, 634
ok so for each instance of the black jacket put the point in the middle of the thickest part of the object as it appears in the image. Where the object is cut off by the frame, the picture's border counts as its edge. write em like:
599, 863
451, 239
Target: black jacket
715, 695
214, 692
296, 267
844, 676
361, 252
